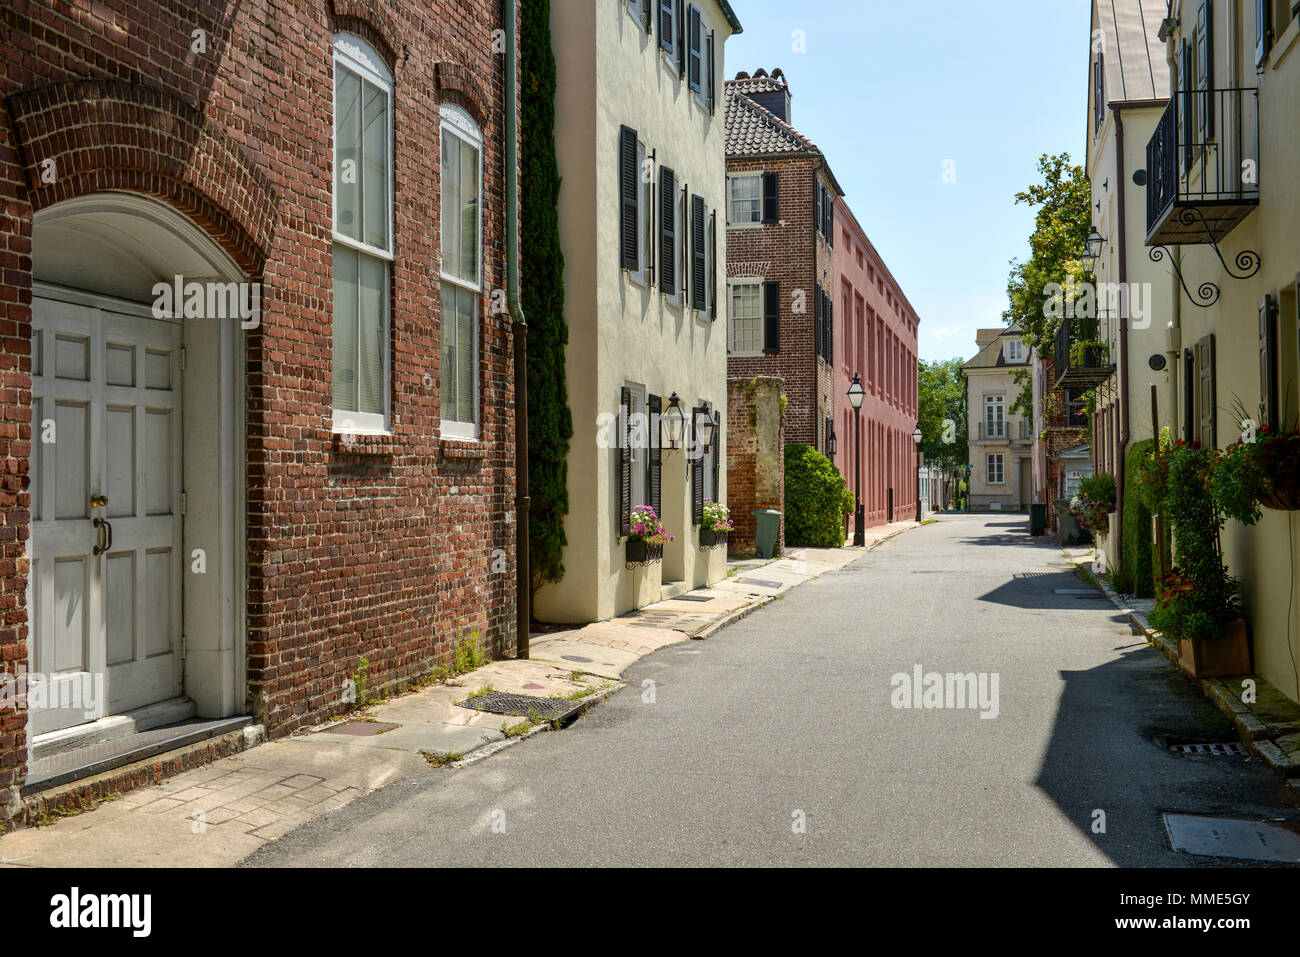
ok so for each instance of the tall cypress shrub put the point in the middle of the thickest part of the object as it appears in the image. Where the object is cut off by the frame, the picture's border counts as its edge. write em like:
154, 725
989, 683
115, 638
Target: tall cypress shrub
541, 263
1138, 558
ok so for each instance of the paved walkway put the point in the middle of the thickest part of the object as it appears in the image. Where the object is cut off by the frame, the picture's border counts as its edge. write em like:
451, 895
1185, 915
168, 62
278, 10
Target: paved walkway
221, 813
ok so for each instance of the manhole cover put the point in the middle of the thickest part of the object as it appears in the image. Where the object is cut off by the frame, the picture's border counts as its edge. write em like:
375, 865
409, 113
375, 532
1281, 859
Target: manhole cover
1232, 747
578, 658
761, 582
693, 598
501, 702
1231, 837
362, 729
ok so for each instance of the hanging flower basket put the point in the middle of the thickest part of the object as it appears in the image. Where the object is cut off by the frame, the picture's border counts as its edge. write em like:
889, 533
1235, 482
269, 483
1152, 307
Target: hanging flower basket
643, 553
711, 538
1284, 497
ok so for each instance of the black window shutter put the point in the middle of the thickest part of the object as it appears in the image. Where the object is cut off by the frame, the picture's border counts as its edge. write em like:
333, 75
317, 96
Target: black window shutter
1188, 106
1268, 363
717, 454
817, 203
713, 264
771, 202
1205, 69
818, 338
830, 330
697, 472
655, 460
681, 36
667, 230
625, 461
1189, 395
772, 316
712, 81
629, 190
647, 14
695, 48
828, 216
667, 26
699, 286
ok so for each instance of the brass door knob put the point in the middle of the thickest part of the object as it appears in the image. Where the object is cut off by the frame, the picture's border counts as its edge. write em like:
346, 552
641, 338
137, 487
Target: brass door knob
98, 501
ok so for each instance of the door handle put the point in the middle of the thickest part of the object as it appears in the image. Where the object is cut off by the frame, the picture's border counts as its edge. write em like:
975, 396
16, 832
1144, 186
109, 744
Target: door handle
103, 535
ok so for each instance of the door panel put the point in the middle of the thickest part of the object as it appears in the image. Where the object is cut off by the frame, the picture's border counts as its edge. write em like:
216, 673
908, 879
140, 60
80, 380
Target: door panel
112, 390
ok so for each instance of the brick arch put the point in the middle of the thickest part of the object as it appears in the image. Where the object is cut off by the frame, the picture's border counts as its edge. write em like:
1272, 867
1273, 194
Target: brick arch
456, 84
116, 135
370, 20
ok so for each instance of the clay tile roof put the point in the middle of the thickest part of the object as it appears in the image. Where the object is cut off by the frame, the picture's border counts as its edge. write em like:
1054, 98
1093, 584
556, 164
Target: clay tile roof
753, 130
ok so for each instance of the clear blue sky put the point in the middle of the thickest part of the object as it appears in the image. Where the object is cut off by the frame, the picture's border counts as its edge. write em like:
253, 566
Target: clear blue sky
890, 89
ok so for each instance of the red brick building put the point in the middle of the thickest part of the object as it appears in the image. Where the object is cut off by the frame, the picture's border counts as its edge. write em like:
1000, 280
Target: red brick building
217, 508
780, 263
876, 339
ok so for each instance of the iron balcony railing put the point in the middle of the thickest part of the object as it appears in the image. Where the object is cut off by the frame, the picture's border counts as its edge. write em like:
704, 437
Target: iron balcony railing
1011, 431
1203, 166
1080, 358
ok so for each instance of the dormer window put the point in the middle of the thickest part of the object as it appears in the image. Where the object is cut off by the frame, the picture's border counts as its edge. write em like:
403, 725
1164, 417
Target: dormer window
1015, 350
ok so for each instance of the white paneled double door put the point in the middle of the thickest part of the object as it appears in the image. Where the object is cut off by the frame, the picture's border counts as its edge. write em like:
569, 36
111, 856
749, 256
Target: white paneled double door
104, 592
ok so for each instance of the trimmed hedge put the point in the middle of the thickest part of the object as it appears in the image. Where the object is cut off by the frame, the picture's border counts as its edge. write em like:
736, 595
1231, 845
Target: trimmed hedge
814, 499
1137, 563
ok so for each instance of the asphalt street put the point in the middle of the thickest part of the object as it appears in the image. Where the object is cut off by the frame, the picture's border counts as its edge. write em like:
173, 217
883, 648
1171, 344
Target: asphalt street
779, 741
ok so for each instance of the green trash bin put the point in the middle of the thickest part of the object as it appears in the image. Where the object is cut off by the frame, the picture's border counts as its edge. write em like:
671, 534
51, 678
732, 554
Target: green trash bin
1037, 518
767, 526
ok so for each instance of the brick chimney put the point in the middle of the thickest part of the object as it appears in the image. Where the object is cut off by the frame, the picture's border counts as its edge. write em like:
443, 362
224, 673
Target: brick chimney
777, 99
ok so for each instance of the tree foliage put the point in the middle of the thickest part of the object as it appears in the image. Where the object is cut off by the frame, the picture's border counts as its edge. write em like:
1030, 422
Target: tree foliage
541, 260
941, 389
1064, 203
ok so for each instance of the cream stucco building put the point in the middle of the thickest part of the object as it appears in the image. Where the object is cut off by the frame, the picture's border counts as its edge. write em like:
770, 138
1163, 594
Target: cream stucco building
640, 141
999, 440
1221, 202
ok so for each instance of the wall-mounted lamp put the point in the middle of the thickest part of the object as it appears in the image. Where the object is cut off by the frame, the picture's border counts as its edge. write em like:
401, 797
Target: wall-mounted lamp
672, 424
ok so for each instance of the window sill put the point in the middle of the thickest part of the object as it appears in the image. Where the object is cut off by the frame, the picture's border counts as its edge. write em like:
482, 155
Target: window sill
459, 447
758, 225
360, 443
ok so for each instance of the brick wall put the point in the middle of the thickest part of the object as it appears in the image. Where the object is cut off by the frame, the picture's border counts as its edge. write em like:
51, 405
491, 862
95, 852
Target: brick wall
755, 457
380, 550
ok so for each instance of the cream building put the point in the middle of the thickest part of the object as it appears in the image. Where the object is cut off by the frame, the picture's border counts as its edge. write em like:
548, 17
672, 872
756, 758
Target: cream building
640, 140
999, 441
1221, 197
1128, 94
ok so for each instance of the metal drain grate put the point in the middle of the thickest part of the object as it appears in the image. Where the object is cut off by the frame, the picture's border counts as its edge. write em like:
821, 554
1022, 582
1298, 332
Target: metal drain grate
1232, 747
501, 702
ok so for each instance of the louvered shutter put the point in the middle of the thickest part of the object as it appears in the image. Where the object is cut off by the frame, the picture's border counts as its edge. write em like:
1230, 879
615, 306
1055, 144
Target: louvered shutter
1208, 399
771, 202
628, 185
685, 261
1263, 14
694, 49
697, 472
681, 37
817, 321
830, 330
667, 24
1189, 395
625, 461
655, 460
828, 217
1205, 70
772, 317
1268, 364
817, 203
1188, 106
717, 455
699, 285
647, 14
667, 230
713, 264
712, 81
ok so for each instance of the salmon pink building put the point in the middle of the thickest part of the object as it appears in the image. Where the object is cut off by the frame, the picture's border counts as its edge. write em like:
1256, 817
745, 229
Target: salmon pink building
877, 339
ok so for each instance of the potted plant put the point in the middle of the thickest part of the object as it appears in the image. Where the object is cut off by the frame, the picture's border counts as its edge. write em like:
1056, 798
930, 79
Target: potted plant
1264, 471
646, 536
1197, 600
1094, 502
717, 523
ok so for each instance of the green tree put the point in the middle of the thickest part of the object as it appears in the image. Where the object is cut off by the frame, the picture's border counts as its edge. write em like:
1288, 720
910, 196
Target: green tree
541, 263
941, 389
1064, 219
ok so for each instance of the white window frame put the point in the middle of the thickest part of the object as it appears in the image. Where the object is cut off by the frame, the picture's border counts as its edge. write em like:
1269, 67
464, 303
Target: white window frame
644, 215
356, 55
670, 55
456, 121
732, 286
1015, 350
997, 404
989, 459
702, 97
731, 221
639, 453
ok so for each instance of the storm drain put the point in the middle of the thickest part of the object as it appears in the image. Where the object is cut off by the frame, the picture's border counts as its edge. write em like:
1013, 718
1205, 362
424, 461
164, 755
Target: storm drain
1219, 750
501, 702
1230, 837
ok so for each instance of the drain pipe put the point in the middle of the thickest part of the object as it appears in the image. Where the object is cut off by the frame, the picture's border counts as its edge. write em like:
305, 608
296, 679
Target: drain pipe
1123, 343
519, 330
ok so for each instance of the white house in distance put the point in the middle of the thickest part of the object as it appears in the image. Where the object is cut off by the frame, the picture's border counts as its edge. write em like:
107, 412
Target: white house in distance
998, 440
640, 138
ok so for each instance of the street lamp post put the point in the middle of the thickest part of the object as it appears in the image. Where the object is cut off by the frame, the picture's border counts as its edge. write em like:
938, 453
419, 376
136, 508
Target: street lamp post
856, 395
916, 440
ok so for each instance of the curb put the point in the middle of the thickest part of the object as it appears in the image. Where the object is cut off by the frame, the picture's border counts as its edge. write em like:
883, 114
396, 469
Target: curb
708, 631
1254, 733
